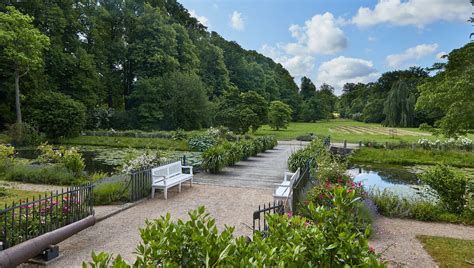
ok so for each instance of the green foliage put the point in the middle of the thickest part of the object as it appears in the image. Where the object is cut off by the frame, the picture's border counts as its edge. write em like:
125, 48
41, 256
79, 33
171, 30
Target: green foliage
49, 174
179, 134
279, 115
450, 91
413, 157
56, 114
201, 143
73, 161
24, 134
308, 89
242, 111
21, 47
310, 156
6, 152
391, 204
296, 241
449, 185
108, 193
400, 105
234, 152
214, 159
448, 252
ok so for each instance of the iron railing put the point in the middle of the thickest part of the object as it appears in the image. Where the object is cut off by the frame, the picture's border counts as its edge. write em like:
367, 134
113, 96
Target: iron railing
28, 219
259, 215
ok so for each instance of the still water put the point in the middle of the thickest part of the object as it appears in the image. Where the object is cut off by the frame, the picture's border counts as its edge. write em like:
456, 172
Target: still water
394, 178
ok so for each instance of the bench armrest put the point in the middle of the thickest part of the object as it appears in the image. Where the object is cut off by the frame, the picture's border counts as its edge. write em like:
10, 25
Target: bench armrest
188, 167
288, 175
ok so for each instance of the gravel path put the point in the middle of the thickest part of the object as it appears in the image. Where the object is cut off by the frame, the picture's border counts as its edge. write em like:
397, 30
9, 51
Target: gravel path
119, 234
396, 239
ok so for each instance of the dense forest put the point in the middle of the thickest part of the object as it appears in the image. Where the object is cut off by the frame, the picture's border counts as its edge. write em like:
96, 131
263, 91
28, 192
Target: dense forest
69, 65
134, 64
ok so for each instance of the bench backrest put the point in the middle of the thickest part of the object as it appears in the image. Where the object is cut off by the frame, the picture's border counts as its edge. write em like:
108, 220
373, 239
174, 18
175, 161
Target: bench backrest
294, 177
167, 170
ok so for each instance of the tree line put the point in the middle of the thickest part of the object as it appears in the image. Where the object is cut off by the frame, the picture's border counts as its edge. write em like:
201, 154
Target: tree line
147, 64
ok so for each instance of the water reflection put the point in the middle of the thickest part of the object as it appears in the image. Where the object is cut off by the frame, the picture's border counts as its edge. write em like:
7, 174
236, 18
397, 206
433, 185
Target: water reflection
396, 179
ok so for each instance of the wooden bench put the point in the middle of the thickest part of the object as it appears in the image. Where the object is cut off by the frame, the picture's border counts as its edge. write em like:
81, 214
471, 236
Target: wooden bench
284, 190
170, 175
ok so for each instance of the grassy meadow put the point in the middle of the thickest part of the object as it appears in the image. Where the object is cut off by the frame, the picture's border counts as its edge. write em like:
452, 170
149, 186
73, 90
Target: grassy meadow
345, 129
449, 252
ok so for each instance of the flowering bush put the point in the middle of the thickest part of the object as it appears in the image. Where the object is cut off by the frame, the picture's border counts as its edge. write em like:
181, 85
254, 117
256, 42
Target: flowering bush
6, 152
145, 160
70, 158
460, 143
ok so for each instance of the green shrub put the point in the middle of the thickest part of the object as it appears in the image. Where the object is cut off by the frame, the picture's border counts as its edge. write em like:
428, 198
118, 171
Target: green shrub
247, 148
49, 174
47, 154
73, 161
311, 155
324, 239
214, 159
24, 134
109, 193
55, 114
3, 191
449, 185
179, 134
201, 143
234, 153
469, 197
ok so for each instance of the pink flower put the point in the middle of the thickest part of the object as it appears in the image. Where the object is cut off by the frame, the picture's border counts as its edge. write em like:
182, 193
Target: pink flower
330, 196
349, 190
289, 214
339, 181
321, 196
328, 184
371, 249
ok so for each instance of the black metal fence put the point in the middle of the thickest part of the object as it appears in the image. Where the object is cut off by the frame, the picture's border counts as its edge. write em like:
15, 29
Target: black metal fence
28, 219
259, 215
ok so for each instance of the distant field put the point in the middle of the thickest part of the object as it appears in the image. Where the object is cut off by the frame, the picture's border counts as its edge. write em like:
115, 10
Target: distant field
352, 131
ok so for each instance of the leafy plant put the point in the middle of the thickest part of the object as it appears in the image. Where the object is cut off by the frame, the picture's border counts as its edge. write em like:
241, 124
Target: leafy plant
179, 134
201, 143
234, 152
110, 192
24, 134
49, 174
73, 161
449, 185
214, 159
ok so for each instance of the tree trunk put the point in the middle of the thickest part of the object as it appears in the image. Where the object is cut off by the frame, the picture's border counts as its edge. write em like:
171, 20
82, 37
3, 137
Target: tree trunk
17, 96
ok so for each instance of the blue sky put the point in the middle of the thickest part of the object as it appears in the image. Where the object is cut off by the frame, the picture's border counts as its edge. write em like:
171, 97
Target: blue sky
339, 41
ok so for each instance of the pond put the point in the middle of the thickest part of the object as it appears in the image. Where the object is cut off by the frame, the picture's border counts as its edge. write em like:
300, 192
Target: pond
109, 159
399, 179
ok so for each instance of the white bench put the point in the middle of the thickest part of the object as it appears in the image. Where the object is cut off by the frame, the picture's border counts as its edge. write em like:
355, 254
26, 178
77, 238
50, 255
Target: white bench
170, 175
284, 190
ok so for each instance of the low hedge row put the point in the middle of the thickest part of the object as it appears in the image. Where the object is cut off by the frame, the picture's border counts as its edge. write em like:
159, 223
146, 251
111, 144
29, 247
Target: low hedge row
228, 153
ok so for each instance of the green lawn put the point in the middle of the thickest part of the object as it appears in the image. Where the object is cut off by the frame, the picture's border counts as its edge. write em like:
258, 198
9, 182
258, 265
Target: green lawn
345, 129
449, 252
151, 143
14, 195
413, 157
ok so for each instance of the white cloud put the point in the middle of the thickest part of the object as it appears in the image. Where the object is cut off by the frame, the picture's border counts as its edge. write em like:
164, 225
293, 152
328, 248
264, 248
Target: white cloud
413, 53
237, 21
440, 55
203, 20
319, 35
372, 39
341, 70
323, 36
413, 12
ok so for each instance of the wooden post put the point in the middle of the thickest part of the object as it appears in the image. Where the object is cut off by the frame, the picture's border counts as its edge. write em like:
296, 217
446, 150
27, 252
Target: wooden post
345, 144
360, 144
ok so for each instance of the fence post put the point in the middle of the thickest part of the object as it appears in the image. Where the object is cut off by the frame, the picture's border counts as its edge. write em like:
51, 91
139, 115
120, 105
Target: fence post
345, 144
184, 160
360, 144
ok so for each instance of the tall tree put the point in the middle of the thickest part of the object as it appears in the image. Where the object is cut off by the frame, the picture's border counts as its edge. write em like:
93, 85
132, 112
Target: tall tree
279, 115
21, 45
308, 89
400, 106
452, 92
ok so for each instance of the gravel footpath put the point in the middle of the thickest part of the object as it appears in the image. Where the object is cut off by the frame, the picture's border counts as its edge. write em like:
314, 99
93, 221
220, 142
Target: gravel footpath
395, 239
119, 234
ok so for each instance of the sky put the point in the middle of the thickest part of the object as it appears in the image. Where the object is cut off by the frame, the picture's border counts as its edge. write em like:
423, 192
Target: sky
340, 41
